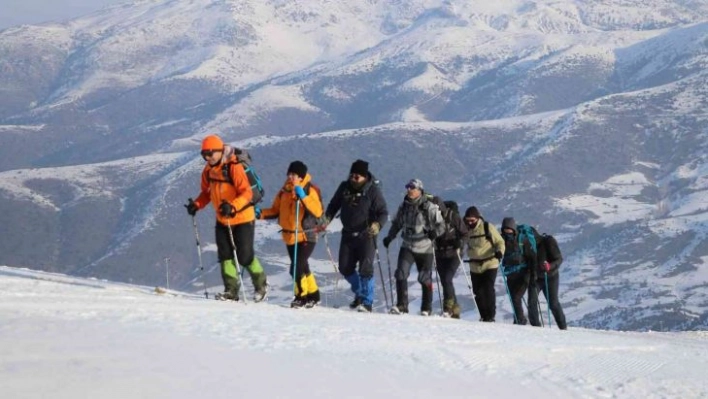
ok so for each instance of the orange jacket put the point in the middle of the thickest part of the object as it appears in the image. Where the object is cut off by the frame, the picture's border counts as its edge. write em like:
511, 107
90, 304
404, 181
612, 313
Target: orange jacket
215, 189
284, 209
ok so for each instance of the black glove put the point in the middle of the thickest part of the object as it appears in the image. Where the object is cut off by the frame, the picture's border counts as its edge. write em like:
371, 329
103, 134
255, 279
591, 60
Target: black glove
226, 210
498, 255
192, 208
432, 234
387, 241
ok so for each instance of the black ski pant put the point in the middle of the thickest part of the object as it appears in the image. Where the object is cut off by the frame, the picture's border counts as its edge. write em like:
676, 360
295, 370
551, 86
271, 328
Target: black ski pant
518, 284
243, 239
357, 249
551, 297
447, 268
484, 293
302, 264
424, 264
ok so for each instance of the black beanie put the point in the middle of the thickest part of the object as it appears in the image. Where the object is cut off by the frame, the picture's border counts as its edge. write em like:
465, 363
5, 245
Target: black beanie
360, 167
298, 168
472, 212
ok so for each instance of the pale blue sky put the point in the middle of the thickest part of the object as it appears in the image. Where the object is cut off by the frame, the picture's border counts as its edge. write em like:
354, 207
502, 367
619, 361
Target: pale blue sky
17, 12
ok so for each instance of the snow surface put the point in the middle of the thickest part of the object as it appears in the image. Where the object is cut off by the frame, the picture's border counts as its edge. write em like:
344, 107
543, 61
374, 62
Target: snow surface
67, 337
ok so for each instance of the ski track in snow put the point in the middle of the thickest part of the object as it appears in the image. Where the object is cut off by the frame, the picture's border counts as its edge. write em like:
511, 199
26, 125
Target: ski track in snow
67, 337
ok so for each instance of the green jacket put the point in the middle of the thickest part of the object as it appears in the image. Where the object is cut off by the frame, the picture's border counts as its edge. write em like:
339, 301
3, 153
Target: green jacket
481, 249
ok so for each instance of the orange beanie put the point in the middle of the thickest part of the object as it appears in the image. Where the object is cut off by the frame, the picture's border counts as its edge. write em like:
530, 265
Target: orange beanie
212, 142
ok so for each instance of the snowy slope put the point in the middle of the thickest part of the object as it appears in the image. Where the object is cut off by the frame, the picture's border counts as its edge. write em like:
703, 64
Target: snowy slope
65, 337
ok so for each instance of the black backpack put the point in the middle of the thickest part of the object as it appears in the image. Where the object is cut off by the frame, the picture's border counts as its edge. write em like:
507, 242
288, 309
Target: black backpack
312, 225
451, 236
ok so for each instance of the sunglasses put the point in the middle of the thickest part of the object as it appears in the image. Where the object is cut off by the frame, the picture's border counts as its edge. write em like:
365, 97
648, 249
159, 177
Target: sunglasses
209, 153
411, 187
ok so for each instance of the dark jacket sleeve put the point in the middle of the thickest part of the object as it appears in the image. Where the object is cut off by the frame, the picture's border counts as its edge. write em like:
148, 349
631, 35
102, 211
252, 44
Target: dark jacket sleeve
335, 204
459, 224
553, 253
379, 211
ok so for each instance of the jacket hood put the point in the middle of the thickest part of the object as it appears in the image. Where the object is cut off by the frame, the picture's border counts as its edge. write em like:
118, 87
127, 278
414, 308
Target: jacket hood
509, 223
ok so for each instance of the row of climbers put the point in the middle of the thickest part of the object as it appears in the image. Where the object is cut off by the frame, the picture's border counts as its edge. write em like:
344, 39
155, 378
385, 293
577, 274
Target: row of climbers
432, 233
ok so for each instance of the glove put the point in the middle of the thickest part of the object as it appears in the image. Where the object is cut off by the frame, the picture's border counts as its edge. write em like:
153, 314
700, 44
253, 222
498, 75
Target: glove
192, 207
387, 241
498, 255
432, 235
258, 211
545, 267
300, 192
226, 210
374, 229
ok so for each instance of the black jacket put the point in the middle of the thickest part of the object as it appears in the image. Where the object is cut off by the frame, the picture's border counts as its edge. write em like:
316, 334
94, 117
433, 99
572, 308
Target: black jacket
448, 243
359, 208
548, 250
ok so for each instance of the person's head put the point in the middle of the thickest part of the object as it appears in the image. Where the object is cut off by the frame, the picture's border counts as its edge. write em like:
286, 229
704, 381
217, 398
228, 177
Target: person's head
508, 227
414, 188
359, 172
472, 216
212, 149
296, 172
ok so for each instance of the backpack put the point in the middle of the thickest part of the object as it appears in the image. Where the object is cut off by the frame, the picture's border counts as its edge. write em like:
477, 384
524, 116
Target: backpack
486, 234
450, 237
525, 231
312, 225
550, 245
244, 158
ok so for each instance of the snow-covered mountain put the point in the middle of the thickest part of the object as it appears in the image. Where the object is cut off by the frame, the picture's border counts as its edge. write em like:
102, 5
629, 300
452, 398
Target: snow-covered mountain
586, 118
88, 337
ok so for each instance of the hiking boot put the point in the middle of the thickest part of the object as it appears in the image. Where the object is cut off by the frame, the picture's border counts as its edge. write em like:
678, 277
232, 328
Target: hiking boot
398, 309
298, 302
425, 313
260, 295
226, 296
446, 314
364, 308
312, 299
355, 303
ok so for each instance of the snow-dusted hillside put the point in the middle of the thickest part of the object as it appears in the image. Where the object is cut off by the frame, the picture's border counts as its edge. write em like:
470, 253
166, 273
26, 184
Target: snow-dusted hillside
586, 118
88, 337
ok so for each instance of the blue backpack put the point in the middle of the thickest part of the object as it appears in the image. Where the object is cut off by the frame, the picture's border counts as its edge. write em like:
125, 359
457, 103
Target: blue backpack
525, 231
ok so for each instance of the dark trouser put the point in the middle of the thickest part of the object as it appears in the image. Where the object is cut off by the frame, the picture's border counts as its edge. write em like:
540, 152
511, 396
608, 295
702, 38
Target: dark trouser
358, 249
243, 238
353, 250
447, 267
484, 293
518, 283
552, 298
424, 264
302, 265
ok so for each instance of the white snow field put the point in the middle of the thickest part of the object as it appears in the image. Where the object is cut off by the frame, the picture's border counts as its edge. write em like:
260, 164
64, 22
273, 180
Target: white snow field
67, 337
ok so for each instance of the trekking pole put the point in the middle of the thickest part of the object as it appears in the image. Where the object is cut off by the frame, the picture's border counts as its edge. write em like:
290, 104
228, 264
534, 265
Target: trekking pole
468, 279
437, 280
538, 302
297, 222
548, 300
390, 277
199, 253
383, 283
238, 267
334, 265
508, 293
